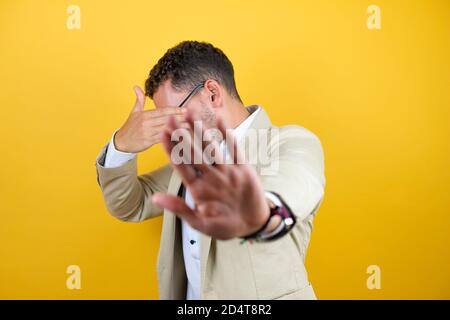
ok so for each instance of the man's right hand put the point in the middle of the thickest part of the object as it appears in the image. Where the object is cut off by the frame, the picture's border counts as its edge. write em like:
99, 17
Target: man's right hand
143, 127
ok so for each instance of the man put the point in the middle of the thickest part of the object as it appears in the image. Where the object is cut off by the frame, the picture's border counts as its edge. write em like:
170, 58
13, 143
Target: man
231, 229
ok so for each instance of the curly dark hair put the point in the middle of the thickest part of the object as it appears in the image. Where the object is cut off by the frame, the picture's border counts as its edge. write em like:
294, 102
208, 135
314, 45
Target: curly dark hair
190, 63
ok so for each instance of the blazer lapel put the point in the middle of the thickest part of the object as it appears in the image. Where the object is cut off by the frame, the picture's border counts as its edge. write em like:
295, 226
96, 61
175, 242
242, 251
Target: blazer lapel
170, 270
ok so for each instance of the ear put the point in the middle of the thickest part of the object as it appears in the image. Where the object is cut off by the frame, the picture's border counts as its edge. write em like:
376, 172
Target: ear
215, 92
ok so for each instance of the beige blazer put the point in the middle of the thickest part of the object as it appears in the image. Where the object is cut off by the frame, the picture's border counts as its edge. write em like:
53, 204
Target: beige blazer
230, 270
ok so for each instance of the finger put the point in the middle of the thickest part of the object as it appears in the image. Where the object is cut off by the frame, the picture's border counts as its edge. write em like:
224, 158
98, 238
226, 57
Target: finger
153, 131
157, 130
186, 172
140, 99
173, 135
163, 112
206, 144
212, 150
178, 206
155, 134
151, 121
196, 137
202, 150
185, 169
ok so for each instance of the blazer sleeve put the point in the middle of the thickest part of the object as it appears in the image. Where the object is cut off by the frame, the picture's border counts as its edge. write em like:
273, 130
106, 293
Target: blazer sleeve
298, 170
128, 196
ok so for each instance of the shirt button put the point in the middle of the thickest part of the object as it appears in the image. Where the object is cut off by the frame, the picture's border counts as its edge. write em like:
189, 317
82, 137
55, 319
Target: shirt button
192, 241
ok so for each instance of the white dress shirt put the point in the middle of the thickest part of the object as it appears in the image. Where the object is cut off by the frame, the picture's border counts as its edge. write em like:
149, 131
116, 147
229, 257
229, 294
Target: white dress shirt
190, 236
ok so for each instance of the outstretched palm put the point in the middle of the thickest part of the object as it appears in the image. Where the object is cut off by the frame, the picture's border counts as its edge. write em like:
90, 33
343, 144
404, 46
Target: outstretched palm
228, 196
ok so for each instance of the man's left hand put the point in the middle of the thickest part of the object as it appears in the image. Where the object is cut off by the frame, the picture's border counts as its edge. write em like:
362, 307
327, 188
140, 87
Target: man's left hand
228, 196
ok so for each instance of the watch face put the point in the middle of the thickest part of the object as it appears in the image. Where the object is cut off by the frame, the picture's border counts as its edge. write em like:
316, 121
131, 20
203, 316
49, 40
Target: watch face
288, 221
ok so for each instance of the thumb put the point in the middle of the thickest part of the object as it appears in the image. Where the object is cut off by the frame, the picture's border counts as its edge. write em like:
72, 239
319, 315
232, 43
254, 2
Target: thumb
140, 99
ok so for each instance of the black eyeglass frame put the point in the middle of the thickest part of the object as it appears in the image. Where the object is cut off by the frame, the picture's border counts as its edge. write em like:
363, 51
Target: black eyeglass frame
194, 91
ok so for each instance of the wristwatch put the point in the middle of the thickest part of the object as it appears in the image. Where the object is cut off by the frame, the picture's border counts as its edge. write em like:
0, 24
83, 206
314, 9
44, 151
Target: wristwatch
277, 208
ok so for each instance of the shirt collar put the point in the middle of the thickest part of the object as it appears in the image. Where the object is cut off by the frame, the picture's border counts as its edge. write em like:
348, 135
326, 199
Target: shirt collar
240, 131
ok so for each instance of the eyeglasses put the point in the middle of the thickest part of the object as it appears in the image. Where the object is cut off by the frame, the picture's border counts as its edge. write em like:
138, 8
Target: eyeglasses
194, 91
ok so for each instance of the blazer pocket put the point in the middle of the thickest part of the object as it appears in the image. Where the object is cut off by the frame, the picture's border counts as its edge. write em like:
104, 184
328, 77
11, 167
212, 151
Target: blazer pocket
275, 267
306, 293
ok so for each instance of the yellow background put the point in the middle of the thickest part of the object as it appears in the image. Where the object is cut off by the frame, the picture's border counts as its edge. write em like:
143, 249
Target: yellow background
378, 100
